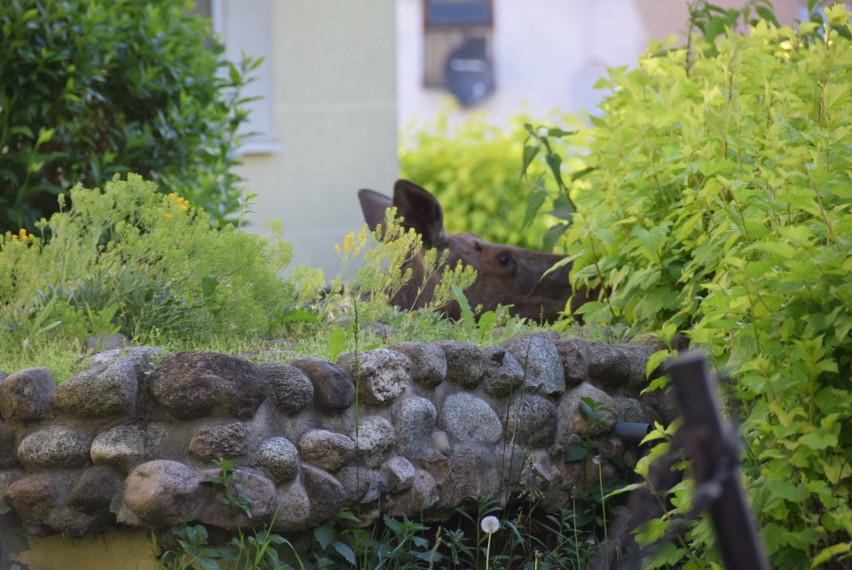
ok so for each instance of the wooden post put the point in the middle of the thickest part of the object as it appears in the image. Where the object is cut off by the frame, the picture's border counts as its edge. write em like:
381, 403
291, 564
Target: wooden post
711, 443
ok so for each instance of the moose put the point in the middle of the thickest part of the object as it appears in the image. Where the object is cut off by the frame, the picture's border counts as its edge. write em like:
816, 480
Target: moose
506, 275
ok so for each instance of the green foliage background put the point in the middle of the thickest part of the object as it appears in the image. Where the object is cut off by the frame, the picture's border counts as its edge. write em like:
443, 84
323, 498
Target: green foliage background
90, 88
473, 168
719, 205
128, 259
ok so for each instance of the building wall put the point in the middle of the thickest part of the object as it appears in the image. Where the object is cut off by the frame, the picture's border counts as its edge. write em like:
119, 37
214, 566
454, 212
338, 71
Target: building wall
342, 75
334, 120
547, 53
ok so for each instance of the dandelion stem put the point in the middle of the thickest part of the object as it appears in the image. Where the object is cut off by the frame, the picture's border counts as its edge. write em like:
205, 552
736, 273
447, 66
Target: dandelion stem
603, 502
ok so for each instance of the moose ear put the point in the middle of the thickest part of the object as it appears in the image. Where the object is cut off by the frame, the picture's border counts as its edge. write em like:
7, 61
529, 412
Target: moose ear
374, 205
421, 211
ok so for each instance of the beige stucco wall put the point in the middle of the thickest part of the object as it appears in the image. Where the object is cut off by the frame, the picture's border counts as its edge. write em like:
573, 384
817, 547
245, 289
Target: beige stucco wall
335, 119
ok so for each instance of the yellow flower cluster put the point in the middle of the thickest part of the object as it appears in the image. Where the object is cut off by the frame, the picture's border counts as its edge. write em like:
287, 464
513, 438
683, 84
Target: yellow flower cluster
181, 202
23, 235
352, 244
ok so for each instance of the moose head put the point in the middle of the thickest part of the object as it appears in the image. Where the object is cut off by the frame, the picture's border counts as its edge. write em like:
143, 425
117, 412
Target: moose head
506, 275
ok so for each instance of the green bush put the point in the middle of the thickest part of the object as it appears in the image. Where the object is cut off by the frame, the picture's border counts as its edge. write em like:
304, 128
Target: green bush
474, 171
128, 259
719, 205
89, 89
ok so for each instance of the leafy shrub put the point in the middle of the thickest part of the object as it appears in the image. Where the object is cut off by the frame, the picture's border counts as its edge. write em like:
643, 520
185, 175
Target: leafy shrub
90, 89
719, 204
473, 169
128, 259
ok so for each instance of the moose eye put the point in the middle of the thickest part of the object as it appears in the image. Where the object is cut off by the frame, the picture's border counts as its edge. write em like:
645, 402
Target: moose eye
504, 259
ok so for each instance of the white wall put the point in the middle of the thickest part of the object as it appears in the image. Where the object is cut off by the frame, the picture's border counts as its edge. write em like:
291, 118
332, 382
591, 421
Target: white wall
334, 110
547, 53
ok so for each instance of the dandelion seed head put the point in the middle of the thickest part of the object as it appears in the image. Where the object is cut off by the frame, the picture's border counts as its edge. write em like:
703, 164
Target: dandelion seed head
489, 524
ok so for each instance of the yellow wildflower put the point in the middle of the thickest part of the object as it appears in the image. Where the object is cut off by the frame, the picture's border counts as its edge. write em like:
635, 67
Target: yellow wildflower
23, 235
182, 203
347, 241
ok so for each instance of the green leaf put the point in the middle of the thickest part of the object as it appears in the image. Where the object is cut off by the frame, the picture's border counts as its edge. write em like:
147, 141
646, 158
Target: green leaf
582, 172
554, 162
347, 515
346, 552
299, 316
530, 152
336, 343
767, 15
656, 384
774, 537
44, 135
655, 360
552, 235
563, 208
575, 452
207, 563
834, 552
534, 203
487, 323
209, 286
818, 440
786, 490
558, 133
668, 554
324, 535
461, 299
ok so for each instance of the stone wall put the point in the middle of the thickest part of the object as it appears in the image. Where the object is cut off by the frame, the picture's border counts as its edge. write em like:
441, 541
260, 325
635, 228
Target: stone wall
412, 429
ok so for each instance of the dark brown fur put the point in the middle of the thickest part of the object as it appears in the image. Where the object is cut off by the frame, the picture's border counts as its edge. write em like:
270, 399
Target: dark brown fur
506, 275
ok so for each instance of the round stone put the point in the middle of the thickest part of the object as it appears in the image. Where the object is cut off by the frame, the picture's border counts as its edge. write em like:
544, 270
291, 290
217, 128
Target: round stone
280, 458
467, 418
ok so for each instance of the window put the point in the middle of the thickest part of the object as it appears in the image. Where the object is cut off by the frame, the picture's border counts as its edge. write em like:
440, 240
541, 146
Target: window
457, 48
245, 27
